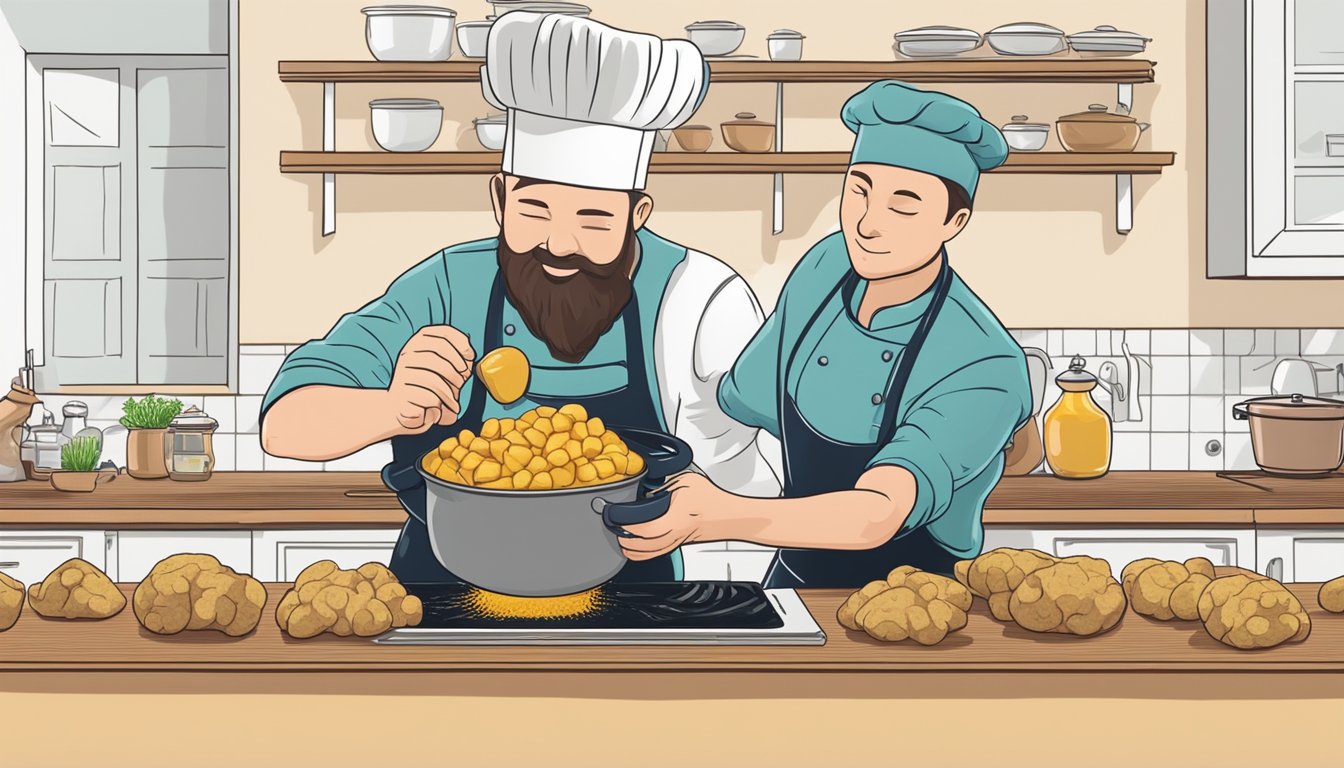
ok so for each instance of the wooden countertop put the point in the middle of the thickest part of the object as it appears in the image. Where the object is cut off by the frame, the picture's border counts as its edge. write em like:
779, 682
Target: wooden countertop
359, 499
1137, 644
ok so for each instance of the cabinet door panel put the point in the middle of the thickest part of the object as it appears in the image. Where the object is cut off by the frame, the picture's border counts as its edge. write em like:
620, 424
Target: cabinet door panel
1121, 546
1318, 559
139, 551
31, 556
281, 555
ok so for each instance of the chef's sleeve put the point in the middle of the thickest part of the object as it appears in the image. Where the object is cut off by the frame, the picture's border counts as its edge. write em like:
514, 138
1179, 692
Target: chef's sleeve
956, 429
750, 391
724, 447
362, 347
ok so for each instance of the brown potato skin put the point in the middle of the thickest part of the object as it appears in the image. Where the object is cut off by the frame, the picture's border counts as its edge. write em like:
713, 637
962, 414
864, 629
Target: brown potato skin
76, 590
365, 602
995, 574
1331, 596
197, 592
850, 608
11, 601
1165, 589
1076, 596
1250, 611
908, 604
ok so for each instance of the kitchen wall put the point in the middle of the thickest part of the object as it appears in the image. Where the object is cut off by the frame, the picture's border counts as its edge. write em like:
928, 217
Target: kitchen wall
1041, 249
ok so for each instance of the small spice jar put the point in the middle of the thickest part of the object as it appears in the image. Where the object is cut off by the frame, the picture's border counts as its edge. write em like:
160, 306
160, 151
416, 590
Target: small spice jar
188, 445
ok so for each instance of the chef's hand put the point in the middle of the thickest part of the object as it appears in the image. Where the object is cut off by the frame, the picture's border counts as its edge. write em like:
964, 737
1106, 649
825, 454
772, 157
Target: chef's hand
688, 519
428, 379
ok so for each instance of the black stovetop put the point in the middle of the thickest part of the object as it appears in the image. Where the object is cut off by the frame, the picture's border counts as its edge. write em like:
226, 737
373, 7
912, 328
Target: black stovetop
670, 605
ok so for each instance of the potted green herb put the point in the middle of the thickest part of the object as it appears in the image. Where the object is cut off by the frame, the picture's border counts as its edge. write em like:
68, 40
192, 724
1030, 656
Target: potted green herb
146, 421
79, 466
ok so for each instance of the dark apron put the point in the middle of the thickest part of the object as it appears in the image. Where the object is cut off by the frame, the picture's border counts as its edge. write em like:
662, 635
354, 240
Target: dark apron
413, 559
816, 464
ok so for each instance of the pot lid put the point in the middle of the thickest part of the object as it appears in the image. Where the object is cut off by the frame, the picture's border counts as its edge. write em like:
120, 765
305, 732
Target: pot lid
480, 23
785, 34
1020, 125
747, 118
193, 418
542, 6
499, 119
1296, 407
404, 104
1096, 113
938, 33
408, 10
75, 408
715, 24
1109, 34
1026, 28
1076, 373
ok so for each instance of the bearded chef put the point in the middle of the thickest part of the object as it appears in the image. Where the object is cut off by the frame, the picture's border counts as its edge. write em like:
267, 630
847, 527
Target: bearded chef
636, 328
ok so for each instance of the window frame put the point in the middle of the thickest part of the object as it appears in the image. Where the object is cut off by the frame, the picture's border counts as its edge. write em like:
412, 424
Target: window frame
34, 216
1249, 129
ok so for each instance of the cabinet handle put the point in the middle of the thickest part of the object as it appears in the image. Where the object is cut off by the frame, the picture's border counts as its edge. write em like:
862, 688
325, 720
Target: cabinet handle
14, 564
1274, 569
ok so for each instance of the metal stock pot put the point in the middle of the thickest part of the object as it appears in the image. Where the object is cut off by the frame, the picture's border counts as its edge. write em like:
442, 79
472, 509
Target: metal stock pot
545, 543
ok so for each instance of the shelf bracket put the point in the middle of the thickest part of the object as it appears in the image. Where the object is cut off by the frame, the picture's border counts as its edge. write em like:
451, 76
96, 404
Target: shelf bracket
1124, 203
328, 145
1124, 97
777, 204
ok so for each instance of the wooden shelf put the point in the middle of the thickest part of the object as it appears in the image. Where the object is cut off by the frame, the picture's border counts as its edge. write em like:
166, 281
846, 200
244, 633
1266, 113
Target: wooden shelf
989, 70
708, 162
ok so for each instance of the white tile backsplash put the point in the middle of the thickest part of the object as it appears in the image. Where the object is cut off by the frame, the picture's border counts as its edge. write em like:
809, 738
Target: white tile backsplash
1231, 375
1256, 373
1171, 376
1139, 340
1264, 342
1316, 343
249, 455
256, 372
222, 408
1032, 338
1171, 342
1206, 413
1205, 341
1287, 342
1171, 450
225, 448
248, 411
1206, 375
1237, 452
1054, 343
1130, 451
1238, 341
1171, 413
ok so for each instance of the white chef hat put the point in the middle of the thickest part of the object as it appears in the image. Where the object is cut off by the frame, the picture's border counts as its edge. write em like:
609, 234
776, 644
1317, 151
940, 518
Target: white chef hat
584, 100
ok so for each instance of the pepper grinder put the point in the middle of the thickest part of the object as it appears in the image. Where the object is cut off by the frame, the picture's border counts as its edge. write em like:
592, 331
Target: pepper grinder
15, 408
1077, 431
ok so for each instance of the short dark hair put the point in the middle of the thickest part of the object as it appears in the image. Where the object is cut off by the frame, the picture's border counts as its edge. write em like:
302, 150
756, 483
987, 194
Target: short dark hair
957, 198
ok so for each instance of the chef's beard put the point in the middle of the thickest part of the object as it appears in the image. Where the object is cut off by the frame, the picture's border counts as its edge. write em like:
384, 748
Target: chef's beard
568, 313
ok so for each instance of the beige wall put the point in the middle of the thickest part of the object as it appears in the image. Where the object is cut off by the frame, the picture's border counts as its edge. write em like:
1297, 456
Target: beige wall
1041, 250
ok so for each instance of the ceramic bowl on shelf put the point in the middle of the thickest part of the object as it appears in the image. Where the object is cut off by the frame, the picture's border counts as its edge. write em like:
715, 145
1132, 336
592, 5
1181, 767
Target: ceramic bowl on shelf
409, 32
716, 38
472, 37
694, 138
937, 41
747, 134
1023, 136
1108, 39
1026, 38
1097, 130
490, 130
785, 45
406, 125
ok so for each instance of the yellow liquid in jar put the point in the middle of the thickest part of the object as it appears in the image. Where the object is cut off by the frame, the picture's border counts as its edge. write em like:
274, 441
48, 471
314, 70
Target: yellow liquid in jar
1077, 437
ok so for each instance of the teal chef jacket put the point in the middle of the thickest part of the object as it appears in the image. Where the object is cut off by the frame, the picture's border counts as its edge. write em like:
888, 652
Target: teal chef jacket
967, 394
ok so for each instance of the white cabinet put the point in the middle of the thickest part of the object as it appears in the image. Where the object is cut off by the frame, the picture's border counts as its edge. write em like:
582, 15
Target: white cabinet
1121, 546
1308, 554
726, 561
279, 555
136, 552
30, 555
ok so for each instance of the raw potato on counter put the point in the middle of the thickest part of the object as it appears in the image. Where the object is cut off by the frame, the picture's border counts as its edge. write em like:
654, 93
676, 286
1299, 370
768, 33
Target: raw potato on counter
1043, 593
11, 601
909, 604
1165, 589
76, 590
1331, 596
190, 592
364, 602
543, 449
1247, 611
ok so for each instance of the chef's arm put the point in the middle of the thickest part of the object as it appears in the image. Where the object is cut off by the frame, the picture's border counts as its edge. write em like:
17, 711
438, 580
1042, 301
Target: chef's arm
303, 423
864, 517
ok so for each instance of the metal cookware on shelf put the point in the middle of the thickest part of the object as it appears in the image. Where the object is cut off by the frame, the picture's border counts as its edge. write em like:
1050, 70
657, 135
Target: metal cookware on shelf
935, 41
1097, 130
1108, 39
1295, 435
1026, 38
1023, 136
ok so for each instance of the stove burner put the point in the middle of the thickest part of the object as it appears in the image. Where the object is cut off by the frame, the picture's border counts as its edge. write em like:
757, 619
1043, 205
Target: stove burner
668, 605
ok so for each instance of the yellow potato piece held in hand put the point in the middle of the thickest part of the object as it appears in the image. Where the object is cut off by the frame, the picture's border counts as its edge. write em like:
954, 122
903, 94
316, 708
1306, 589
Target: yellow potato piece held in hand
505, 372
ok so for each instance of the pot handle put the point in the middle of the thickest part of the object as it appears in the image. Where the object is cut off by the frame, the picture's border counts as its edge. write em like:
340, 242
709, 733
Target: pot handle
1239, 412
616, 515
664, 455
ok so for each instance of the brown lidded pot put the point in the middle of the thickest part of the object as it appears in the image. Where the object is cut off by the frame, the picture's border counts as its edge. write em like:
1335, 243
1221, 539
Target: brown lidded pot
1295, 435
747, 134
1097, 130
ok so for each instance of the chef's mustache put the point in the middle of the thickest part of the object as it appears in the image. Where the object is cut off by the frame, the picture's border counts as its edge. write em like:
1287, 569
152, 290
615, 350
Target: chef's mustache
575, 261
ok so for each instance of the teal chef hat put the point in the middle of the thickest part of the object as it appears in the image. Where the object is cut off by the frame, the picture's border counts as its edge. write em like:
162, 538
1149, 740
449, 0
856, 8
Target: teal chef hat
897, 124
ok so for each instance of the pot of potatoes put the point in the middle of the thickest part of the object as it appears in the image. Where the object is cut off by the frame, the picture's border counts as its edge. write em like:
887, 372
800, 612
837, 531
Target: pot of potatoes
535, 505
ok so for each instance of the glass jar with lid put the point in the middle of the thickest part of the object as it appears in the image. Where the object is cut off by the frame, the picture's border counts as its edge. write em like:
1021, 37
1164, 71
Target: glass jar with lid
189, 445
1077, 431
